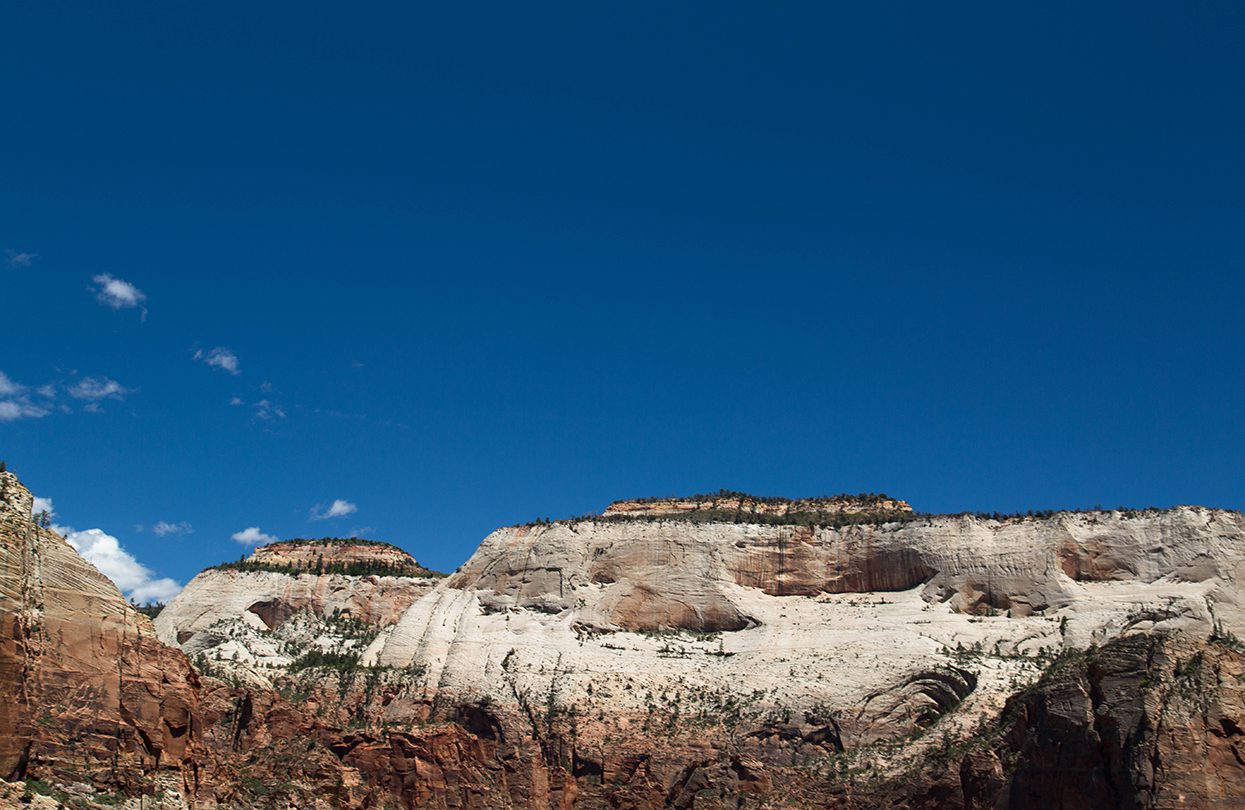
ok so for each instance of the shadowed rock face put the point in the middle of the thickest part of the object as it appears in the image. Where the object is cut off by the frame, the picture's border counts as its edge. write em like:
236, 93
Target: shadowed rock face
1142, 722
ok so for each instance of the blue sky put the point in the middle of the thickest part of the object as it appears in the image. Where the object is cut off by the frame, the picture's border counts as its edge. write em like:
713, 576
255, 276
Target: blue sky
460, 268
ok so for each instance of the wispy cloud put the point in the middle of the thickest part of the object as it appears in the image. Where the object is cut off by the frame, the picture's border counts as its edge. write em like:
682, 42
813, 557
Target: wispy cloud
221, 358
266, 410
96, 388
338, 508
14, 258
164, 528
12, 410
252, 536
19, 401
263, 410
16, 402
118, 293
9, 388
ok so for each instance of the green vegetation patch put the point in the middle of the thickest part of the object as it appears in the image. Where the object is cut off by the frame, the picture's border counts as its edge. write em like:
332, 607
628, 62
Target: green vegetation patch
361, 568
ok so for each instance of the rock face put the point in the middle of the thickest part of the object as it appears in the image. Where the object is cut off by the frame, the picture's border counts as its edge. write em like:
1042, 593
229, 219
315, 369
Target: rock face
289, 598
85, 686
789, 643
660, 657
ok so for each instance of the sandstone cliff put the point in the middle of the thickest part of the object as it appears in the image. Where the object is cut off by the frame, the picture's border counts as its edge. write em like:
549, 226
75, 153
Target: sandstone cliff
785, 659
771, 656
87, 691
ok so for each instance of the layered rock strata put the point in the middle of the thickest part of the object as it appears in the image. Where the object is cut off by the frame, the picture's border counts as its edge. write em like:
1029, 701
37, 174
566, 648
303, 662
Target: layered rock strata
86, 688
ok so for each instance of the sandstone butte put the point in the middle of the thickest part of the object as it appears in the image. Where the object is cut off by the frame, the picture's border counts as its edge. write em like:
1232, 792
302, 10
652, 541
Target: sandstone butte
709, 652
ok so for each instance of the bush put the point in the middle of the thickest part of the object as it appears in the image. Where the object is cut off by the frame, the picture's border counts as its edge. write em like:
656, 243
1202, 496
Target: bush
317, 659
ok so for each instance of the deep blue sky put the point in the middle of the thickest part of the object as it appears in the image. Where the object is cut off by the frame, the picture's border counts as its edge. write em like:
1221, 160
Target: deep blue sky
517, 260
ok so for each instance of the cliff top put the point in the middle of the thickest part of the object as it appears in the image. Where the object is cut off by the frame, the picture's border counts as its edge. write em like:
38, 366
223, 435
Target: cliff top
727, 503
351, 556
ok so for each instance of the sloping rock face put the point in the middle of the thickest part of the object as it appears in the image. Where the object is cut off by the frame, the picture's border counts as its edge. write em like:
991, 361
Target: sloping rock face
86, 689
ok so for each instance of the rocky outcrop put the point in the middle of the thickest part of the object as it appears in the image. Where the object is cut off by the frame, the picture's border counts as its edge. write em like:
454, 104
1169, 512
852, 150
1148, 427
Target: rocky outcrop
1145, 722
337, 554
740, 504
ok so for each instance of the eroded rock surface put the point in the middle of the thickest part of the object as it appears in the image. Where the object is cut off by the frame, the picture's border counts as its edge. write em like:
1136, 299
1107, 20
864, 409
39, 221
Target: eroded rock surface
86, 688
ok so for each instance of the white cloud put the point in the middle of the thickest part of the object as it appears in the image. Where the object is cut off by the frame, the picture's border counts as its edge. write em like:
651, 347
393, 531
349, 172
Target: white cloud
237, 401
15, 258
97, 388
42, 505
117, 293
165, 528
264, 409
156, 590
221, 358
22, 408
16, 404
337, 508
9, 388
18, 401
131, 577
252, 536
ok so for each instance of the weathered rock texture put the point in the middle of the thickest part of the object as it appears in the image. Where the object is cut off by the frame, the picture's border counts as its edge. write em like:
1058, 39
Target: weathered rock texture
86, 689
